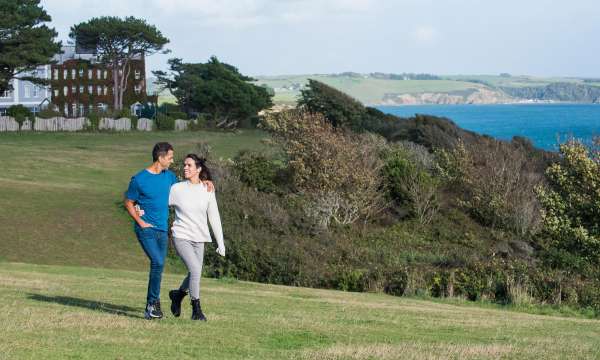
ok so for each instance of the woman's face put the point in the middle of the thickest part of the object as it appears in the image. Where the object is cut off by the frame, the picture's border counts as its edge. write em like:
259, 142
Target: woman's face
189, 169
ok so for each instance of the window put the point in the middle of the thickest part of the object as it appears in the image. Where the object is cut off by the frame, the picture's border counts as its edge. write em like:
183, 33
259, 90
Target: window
99, 90
98, 74
66, 110
56, 92
55, 74
137, 89
138, 74
81, 89
65, 90
65, 74
90, 73
40, 72
36, 91
6, 94
81, 109
73, 90
74, 109
105, 74
90, 89
105, 90
27, 91
80, 73
72, 73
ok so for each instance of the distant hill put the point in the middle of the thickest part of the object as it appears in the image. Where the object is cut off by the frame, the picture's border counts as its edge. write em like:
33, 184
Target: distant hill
396, 89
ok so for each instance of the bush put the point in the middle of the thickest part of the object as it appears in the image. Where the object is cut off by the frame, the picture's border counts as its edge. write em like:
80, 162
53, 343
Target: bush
48, 113
339, 173
571, 205
495, 182
408, 178
396, 282
259, 172
20, 113
165, 122
94, 121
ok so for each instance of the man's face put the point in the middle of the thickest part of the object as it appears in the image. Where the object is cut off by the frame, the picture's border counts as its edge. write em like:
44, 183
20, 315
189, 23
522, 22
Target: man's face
167, 160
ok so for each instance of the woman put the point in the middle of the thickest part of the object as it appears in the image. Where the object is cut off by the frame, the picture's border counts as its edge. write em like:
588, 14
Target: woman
195, 206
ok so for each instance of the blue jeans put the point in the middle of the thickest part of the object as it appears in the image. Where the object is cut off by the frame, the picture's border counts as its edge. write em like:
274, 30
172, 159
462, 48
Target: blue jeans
154, 243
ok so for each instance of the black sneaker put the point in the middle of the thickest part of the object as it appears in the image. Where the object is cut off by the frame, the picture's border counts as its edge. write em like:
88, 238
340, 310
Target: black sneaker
176, 297
153, 311
197, 311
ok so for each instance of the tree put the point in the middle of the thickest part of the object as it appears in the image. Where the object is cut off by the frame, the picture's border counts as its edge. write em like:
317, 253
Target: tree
25, 42
117, 42
214, 88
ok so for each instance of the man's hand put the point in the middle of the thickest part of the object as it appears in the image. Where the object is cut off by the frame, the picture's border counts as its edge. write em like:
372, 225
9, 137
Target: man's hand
221, 251
209, 185
145, 225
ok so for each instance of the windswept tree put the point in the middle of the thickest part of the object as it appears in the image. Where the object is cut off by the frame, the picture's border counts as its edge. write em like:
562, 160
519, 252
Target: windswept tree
216, 89
117, 42
25, 42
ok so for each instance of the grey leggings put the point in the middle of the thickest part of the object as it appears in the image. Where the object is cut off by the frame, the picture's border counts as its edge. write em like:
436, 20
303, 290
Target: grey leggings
192, 254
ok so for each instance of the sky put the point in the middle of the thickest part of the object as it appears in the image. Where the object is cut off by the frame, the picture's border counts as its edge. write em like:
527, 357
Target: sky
444, 37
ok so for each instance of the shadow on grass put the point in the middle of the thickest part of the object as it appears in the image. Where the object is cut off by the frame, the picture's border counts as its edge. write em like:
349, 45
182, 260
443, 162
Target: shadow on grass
90, 304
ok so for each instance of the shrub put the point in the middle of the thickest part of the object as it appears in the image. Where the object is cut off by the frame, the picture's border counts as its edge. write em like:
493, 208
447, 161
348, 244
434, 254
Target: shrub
571, 204
407, 173
396, 281
495, 182
258, 171
338, 172
48, 113
164, 122
94, 121
20, 113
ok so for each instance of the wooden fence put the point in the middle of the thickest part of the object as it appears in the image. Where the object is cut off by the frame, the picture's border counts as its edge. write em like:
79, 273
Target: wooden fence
78, 124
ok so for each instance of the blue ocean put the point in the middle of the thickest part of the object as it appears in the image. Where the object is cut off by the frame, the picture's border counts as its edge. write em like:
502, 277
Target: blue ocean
546, 125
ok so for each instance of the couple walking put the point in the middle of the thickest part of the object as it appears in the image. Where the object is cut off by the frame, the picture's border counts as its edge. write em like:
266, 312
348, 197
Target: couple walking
150, 193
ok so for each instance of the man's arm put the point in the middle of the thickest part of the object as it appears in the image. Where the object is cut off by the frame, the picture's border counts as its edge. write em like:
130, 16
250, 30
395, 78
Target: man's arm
130, 206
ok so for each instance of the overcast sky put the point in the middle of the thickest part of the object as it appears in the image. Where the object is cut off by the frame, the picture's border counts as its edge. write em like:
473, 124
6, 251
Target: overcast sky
274, 37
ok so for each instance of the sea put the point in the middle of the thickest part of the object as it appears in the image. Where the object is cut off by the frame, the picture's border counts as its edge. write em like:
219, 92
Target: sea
546, 125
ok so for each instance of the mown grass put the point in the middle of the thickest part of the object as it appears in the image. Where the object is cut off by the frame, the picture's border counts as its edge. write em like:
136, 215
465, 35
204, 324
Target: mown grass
53, 312
61, 193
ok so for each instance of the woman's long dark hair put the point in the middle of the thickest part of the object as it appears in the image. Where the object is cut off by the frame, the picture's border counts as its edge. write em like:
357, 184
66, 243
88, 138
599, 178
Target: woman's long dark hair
201, 163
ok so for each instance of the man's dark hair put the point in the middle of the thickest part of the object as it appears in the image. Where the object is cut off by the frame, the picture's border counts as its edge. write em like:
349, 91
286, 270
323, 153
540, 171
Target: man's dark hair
160, 149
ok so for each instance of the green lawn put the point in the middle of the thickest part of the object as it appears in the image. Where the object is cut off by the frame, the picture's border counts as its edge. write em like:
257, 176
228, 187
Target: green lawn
61, 193
52, 312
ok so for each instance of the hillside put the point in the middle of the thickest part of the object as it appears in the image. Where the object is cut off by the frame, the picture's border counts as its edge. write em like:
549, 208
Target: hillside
375, 89
51, 312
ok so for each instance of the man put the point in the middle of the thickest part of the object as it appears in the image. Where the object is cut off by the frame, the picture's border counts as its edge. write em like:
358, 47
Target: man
150, 188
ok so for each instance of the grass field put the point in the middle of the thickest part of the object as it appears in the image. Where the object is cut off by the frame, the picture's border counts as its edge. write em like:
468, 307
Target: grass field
61, 193
51, 312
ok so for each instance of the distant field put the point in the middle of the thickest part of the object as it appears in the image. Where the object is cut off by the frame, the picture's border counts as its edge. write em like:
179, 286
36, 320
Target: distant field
50, 312
366, 90
61, 194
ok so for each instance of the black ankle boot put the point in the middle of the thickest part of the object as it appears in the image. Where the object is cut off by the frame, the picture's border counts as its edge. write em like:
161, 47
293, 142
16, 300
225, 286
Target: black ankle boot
176, 297
197, 311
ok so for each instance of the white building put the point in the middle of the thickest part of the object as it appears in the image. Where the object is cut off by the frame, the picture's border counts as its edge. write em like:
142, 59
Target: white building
25, 93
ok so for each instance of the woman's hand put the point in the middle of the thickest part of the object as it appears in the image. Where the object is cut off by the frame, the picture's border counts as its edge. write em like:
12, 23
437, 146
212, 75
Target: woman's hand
221, 251
209, 185
139, 210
